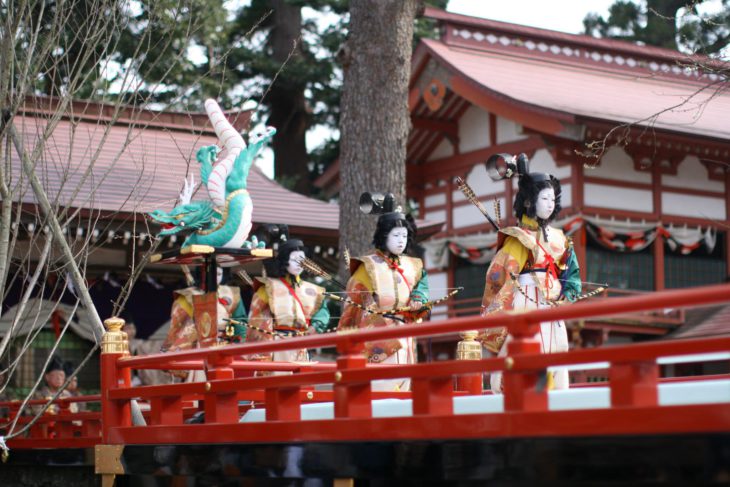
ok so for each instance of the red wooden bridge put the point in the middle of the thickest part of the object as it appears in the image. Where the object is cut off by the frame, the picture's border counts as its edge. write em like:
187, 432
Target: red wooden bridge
323, 423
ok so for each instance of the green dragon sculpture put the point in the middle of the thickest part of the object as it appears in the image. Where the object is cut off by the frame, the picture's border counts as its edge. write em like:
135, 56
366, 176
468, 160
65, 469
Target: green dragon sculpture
225, 220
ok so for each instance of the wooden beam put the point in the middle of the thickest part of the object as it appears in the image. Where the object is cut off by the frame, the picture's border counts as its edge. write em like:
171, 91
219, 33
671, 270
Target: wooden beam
459, 164
492, 129
520, 112
450, 128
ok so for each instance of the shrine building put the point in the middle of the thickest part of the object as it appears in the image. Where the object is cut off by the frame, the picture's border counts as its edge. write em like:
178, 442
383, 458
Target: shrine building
647, 209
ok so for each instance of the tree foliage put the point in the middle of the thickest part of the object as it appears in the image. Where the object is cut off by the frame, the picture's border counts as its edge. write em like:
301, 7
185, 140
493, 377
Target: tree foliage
673, 24
289, 64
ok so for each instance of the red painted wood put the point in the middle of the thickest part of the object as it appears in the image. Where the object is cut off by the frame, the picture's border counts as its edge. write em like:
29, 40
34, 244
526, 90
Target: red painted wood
350, 341
166, 410
283, 404
634, 384
113, 376
521, 391
433, 396
678, 220
91, 429
220, 406
352, 399
616, 183
460, 164
521, 113
711, 418
449, 204
32, 443
472, 384
693, 192
633, 379
64, 428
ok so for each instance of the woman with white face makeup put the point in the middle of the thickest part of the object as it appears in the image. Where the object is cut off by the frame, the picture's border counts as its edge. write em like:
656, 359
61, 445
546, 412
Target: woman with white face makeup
284, 305
384, 281
534, 267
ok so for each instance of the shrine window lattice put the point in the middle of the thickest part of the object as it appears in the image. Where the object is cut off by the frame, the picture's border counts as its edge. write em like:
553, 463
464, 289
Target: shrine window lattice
630, 271
700, 268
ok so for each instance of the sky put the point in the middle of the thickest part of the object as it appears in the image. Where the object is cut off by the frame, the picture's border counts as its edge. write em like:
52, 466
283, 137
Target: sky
561, 15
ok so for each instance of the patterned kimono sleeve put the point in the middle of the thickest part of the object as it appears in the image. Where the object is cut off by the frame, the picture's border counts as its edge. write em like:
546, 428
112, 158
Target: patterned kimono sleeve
499, 290
182, 334
358, 292
239, 329
420, 290
260, 321
321, 318
570, 277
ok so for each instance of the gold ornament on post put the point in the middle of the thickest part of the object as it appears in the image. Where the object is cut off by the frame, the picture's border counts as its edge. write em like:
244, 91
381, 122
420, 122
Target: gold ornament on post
114, 340
469, 348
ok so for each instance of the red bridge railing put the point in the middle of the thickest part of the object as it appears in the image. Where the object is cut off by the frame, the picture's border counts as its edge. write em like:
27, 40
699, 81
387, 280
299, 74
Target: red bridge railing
230, 391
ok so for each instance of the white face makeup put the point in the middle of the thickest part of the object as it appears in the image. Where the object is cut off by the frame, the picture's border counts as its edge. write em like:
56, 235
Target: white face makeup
294, 267
397, 240
545, 203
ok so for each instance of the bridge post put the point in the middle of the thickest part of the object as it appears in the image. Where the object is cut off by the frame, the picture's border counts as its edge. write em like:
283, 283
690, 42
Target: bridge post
522, 389
114, 345
64, 427
634, 384
469, 349
220, 407
352, 400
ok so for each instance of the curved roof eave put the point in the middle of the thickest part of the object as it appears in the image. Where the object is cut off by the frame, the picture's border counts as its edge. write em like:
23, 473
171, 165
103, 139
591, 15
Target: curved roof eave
542, 119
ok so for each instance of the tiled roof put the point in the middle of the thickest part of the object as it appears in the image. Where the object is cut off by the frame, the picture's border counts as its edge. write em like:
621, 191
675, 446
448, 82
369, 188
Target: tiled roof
550, 35
138, 169
705, 323
564, 88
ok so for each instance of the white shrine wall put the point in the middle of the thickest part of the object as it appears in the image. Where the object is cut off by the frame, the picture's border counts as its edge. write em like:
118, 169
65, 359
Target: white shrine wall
691, 174
473, 129
508, 131
444, 149
616, 165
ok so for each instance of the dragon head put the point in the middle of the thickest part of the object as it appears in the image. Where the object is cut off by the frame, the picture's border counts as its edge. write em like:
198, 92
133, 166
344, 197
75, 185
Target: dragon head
185, 217
208, 154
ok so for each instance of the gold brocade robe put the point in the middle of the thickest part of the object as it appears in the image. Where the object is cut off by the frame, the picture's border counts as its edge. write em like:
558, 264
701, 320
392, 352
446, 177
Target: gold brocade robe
182, 334
520, 249
273, 308
286, 311
377, 285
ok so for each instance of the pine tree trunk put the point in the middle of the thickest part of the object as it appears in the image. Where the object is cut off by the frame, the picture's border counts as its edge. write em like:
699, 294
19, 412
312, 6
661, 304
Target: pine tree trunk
288, 108
375, 121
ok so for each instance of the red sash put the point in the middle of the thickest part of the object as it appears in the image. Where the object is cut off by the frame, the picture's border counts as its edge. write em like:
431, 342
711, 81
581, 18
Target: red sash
296, 298
393, 265
549, 263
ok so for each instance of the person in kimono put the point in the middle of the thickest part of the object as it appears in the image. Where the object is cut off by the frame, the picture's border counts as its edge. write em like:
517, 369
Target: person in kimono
284, 305
535, 265
388, 287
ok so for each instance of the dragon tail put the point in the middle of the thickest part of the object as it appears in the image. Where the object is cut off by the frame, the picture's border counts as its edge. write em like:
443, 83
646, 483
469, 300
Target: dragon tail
233, 144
